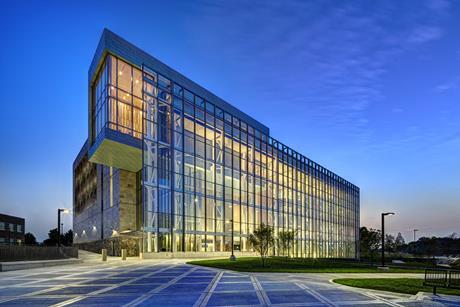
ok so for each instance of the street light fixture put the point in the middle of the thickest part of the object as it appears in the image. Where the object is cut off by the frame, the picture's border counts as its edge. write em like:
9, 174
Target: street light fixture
383, 236
60, 210
232, 256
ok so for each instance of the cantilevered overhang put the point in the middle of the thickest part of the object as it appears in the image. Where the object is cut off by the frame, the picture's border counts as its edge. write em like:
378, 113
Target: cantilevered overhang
114, 44
116, 149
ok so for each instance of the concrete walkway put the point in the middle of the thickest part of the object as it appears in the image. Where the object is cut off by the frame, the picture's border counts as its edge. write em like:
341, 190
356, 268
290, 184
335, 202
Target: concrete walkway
174, 283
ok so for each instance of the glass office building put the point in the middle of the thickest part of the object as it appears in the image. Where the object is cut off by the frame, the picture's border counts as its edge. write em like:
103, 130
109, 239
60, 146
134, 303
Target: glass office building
173, 168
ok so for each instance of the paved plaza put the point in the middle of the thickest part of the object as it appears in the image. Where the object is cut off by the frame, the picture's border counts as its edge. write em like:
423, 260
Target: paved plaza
174, 283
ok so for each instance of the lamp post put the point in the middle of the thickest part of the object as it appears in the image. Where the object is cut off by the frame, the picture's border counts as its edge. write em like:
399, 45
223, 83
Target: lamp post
383, 236
415, 231
232, 256
59, 225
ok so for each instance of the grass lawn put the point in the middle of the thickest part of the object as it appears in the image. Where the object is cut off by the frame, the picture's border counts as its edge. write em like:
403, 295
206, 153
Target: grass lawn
281, 264
400, 285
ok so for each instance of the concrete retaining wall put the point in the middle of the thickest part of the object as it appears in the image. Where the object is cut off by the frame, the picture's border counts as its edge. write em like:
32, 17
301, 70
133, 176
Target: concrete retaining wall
27, 253
25, 265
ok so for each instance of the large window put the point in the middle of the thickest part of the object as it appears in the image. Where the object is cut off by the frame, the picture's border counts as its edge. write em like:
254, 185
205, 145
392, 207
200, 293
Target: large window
225, 176
117, 98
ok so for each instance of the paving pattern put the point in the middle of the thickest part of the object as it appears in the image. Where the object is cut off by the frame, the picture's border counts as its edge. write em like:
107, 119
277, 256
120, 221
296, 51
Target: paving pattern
173, 283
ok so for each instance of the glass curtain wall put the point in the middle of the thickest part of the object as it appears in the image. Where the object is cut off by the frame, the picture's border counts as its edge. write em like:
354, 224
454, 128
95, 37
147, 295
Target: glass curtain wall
206, 171
117, 98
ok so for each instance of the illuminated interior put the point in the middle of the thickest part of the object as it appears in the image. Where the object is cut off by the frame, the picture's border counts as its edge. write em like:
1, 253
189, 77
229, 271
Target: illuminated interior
117, 98
206, 172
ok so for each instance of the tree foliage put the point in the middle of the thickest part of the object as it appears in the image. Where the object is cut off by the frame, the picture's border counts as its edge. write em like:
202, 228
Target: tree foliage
390, 245
370, 241
65, 239
286, 240
29, 239
434, 246
427, 247
262, 240
399, 242
68, 238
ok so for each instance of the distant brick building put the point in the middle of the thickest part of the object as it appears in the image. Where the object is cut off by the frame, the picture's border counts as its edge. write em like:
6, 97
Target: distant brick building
11, 230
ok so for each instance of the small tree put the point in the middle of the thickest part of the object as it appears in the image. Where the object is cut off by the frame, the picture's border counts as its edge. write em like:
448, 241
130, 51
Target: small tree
369, 241
65, 239
399, 242
286, 240
452, 236
262, 240
52, 237
390, 243
430, 246
29, 239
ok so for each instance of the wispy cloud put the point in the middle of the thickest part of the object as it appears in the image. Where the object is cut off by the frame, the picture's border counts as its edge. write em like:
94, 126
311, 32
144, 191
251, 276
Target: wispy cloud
449, 85
323, 68
328, 58
438, 6
425, 34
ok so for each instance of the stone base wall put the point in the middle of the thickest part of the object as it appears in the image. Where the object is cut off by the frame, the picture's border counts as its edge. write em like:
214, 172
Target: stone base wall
128, 201
113, 246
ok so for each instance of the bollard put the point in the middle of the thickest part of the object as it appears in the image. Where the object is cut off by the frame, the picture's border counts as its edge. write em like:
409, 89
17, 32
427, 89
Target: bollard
141, 256
104, 254
123, 254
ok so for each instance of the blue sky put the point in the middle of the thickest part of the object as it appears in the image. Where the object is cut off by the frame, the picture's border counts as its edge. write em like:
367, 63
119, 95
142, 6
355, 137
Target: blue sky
369, 89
